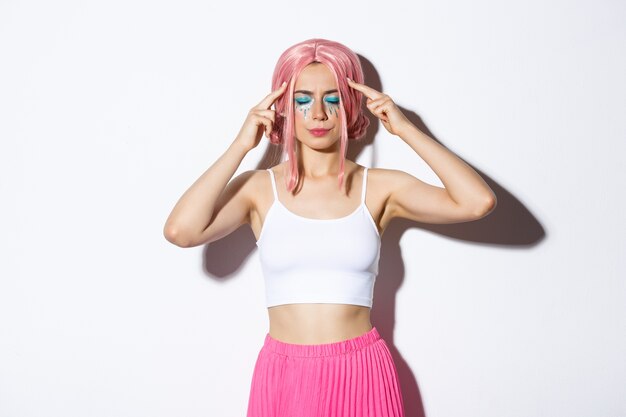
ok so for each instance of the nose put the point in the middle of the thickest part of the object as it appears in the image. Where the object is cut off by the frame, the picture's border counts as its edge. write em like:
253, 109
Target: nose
318, 111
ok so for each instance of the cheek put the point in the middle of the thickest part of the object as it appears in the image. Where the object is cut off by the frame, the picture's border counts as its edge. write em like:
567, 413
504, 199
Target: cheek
332, 109
303, 110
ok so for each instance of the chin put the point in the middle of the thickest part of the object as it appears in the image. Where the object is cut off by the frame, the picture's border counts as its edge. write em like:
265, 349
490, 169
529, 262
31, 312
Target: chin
324, 145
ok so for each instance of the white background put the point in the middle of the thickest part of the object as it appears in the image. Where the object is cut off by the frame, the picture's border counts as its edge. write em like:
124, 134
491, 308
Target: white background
110, 110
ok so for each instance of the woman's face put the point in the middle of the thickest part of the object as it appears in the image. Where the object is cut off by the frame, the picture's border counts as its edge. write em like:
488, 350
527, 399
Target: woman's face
316, 105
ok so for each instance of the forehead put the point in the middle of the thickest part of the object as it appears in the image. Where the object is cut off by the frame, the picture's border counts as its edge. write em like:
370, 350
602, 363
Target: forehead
316, 76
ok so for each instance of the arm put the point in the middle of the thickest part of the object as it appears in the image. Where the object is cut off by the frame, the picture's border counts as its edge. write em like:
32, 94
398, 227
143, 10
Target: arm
214, 206
465, 197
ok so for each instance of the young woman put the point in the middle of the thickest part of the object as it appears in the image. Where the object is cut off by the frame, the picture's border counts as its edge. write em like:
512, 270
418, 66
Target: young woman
318, 219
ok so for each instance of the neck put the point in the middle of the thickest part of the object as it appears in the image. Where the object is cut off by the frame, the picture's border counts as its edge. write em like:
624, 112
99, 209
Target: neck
316, 163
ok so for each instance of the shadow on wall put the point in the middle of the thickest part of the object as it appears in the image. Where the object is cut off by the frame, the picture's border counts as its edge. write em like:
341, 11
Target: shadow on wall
509, 224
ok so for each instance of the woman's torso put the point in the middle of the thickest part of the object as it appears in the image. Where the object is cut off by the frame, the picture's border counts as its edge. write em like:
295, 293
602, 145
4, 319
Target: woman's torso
314, 323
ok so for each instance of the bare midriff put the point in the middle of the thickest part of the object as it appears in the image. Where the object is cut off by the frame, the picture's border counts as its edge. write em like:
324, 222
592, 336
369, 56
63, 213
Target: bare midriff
311, 324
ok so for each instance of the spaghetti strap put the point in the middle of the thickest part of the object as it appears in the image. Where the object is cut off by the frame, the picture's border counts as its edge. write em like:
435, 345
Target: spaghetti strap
364, 186
273, 183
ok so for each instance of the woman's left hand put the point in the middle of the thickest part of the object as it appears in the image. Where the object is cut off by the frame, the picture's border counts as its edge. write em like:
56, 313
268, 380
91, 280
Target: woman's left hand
383, 107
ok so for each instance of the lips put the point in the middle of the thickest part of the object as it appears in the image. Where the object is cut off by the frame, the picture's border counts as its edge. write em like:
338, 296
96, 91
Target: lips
318, 132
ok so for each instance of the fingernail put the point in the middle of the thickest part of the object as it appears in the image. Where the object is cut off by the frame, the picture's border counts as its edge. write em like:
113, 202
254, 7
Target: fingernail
284, 82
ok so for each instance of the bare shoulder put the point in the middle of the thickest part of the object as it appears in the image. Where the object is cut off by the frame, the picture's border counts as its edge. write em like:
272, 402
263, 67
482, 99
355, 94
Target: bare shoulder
259, 189
256, 186
382, 181
241, 194
384, 174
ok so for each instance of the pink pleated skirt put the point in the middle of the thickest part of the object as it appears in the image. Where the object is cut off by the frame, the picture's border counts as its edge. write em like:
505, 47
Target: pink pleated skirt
351, 378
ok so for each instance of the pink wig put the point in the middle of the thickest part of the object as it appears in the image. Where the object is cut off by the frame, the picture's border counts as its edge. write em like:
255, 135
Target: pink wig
343, 63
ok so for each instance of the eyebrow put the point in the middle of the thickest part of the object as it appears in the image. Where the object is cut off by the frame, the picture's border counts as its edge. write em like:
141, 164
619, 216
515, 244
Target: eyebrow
311, 92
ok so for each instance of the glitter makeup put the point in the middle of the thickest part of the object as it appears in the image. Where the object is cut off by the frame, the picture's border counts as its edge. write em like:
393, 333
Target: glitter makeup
333, 105
304, 104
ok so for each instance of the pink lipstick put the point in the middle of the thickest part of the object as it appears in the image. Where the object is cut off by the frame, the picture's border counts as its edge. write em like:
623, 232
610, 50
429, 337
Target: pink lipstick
319, 132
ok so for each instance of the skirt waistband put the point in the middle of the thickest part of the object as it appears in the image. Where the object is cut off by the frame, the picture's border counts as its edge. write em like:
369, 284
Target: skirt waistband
323, 349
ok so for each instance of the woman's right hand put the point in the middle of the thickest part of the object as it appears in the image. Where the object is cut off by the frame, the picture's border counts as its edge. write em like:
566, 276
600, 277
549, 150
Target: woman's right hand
260, 118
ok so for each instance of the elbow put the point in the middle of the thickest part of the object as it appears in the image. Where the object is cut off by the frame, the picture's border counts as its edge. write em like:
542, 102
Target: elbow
486, 208
175, 237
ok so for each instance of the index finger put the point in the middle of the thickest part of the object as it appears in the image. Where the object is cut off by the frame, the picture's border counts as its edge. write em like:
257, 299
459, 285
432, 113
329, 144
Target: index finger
368, 91
271, 97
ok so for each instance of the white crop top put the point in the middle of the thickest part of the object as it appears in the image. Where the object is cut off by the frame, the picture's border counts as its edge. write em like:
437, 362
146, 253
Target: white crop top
307, 260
